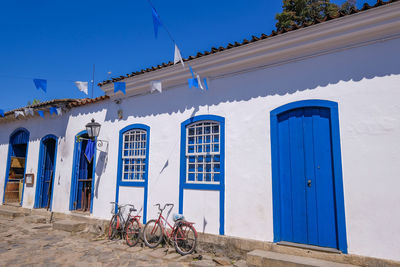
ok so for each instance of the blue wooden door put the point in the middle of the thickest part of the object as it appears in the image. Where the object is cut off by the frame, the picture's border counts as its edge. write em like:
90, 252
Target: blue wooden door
47, 172
306, 185
82, 173
83, 177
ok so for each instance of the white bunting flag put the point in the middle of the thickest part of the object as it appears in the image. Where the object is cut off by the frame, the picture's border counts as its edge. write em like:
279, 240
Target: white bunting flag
59, 111
155, 86
199, 82
82, 86
178, 56
18, 113
28, 111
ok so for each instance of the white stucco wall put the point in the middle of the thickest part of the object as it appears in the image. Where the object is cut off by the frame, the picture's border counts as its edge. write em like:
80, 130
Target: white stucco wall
365, 83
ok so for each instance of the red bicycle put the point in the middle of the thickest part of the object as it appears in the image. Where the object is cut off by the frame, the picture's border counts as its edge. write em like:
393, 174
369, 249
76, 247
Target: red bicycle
129, 229
182, 233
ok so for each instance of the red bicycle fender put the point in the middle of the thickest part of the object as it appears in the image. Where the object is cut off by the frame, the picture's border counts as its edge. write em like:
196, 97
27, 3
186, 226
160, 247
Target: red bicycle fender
117, 222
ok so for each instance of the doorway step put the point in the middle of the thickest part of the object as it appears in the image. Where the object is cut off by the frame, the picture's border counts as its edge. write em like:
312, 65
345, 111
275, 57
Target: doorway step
10, 214
262, 258
12, 211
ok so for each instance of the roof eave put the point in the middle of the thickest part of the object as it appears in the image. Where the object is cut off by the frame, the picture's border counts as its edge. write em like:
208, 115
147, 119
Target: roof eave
333, 35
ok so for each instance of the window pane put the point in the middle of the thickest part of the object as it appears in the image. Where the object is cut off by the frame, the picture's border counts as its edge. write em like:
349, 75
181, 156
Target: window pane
203, 152
134, 153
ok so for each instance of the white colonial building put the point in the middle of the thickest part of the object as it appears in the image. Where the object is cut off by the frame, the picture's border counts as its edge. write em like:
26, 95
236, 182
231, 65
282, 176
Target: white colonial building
297, 140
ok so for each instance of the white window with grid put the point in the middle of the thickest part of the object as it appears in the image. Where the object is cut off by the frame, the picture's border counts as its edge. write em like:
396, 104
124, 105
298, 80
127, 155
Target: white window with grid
203, 153
134, 155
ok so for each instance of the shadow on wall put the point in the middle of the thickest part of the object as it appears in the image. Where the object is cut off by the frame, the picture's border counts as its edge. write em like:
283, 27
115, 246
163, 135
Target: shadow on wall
101, 166
351, 65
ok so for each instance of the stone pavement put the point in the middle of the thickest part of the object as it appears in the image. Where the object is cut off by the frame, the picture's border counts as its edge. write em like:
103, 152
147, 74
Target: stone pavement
26, 243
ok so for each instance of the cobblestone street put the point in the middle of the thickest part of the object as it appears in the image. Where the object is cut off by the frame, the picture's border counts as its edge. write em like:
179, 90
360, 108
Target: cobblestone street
37, 244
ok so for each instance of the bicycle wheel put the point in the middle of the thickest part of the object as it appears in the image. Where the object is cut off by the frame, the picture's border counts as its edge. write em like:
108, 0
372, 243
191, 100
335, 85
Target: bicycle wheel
132, 232
185, 238
112, 228
152, 233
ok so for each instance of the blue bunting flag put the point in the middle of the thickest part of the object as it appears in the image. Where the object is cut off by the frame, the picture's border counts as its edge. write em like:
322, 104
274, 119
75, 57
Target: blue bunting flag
120, 86
1, 112
53, 110
156, 21
41, 113
191, 71
205, 83
40, 84
193, 82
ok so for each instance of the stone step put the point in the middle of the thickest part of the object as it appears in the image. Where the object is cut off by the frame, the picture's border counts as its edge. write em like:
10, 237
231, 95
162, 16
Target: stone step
261, 258
35, 219
69, 226
10, 214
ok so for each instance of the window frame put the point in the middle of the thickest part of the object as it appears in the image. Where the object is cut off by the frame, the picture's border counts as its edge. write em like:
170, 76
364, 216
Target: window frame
183, 178
203, 154
135, 183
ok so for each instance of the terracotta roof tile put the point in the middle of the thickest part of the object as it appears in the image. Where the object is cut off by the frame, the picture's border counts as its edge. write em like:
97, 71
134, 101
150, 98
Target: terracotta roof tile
214, 50
70, 103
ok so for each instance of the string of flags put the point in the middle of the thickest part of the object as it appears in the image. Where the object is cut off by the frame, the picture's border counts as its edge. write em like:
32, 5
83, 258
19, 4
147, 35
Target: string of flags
196, 81
41, 84
30, 111
155, 86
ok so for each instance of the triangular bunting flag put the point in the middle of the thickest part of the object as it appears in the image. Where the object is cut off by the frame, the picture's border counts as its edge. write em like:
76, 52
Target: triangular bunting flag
178, 57
1, 112
82, 86
40, 84
193, 83
205, 83
28, 111
18, 113
199, 82
120, 86
191, 71
41, 113
53, 110
156, 21
155, 86
59, 111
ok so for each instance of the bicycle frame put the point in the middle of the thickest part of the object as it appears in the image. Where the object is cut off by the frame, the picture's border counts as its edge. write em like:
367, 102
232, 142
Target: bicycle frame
121, 222
163, 222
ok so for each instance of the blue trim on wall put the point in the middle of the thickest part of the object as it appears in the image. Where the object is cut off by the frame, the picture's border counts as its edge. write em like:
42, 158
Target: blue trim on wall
9, 162
119, 173
337, 166
41, 165
74, 173
215, 187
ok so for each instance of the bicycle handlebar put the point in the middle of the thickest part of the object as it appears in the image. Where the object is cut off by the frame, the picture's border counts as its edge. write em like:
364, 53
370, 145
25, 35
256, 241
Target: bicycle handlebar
122, 205
166, 204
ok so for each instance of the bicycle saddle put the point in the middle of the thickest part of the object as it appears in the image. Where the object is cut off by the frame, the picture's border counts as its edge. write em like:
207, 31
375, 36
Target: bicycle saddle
177, 217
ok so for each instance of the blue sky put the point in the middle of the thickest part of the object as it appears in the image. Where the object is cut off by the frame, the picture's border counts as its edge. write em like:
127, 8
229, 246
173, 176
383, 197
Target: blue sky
61, 40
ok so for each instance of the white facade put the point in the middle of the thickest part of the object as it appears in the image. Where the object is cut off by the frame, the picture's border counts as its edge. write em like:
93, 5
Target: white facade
361, 74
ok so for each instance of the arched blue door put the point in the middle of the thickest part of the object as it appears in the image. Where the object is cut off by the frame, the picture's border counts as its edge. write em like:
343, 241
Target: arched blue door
16, 162
46, 168
308, 192
83, 173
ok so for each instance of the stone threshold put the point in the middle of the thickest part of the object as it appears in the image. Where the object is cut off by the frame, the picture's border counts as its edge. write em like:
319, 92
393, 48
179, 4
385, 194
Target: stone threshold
232, 246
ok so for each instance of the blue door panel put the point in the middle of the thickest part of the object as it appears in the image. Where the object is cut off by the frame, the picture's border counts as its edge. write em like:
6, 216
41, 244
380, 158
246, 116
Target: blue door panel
307, 209
324, 175
46, 172
310, 181
296, 151
285, 185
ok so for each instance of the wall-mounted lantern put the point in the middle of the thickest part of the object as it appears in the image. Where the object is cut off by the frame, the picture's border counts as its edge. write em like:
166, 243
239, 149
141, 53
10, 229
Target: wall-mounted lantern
93, 129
